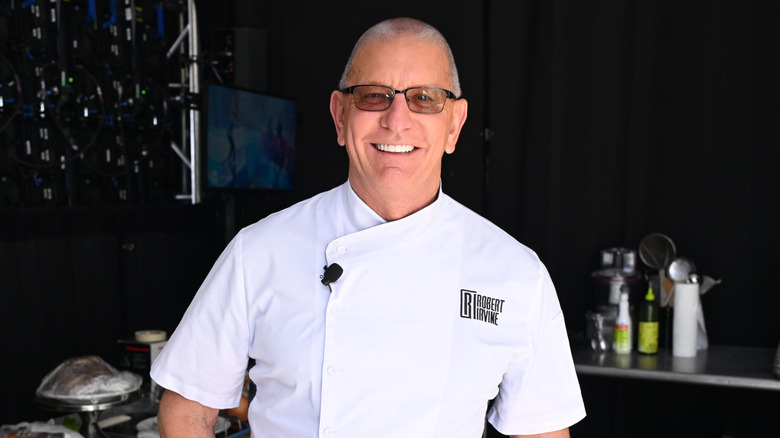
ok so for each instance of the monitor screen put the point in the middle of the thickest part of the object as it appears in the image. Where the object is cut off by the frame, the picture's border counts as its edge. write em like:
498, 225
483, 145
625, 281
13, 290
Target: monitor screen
250, 139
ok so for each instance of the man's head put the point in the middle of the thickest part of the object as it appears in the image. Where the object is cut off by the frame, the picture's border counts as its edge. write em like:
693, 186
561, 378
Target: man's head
395, 141
404, 26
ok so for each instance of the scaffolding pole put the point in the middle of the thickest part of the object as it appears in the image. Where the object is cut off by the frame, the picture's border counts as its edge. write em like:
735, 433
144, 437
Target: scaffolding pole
190, 119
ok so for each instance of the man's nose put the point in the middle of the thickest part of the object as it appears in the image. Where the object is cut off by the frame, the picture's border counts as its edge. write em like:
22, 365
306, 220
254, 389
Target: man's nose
397, 117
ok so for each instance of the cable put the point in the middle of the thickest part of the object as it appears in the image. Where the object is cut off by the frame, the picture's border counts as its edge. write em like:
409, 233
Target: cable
18, 101
67, 93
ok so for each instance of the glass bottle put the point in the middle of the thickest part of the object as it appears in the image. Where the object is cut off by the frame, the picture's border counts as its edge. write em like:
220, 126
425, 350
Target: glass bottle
647, 342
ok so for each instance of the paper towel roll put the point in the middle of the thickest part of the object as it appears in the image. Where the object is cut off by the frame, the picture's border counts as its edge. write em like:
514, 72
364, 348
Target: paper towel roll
685, 326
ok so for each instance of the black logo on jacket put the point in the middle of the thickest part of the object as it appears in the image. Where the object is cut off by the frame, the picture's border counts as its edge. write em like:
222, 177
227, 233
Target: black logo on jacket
480, 307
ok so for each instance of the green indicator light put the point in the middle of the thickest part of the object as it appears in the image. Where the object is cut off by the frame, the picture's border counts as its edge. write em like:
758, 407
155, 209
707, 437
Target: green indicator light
70, 80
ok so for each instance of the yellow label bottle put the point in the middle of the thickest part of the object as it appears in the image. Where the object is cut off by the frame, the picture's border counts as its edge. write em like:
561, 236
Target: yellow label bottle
647, 342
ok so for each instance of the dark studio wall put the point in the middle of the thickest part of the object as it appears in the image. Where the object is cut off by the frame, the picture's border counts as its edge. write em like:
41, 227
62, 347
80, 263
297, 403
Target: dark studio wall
607, 121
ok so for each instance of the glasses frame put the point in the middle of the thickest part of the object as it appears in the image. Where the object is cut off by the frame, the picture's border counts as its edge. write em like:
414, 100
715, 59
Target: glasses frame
351, 90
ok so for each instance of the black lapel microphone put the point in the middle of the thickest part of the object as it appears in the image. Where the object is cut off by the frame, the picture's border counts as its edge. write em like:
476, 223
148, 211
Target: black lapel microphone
331, 274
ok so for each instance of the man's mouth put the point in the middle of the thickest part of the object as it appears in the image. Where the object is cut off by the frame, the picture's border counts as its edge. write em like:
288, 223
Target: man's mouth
394, 148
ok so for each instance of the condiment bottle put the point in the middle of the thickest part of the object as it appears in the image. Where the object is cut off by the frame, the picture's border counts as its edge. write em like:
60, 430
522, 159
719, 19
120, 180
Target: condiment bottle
648, 324
622, 333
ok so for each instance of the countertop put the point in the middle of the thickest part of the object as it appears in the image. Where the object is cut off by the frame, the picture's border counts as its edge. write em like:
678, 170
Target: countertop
740, 367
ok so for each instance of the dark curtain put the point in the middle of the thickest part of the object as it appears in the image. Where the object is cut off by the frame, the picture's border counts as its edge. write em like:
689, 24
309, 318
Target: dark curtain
600, 122
616, 119
74, 281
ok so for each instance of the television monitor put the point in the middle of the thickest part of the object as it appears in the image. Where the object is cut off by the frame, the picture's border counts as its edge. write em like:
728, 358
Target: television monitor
250, 139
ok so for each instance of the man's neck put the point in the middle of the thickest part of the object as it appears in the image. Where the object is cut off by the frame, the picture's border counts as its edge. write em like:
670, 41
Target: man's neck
394, 204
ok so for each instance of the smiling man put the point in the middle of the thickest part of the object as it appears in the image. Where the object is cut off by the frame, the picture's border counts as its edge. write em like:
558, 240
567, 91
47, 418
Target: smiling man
395, 145
381, 308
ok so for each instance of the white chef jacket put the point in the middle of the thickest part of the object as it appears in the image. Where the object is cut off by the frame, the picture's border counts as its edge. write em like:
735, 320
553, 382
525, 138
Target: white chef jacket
434, 315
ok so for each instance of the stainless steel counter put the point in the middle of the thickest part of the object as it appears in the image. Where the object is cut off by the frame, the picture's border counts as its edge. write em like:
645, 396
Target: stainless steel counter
738, 367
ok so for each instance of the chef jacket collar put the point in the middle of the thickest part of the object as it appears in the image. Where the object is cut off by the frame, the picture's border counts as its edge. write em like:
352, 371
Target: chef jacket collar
361, 216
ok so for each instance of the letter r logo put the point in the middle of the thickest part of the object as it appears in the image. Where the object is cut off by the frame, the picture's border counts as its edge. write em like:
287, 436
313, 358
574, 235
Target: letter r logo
467, 303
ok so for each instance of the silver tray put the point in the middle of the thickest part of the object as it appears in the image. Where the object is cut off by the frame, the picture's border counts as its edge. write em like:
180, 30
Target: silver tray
81, 405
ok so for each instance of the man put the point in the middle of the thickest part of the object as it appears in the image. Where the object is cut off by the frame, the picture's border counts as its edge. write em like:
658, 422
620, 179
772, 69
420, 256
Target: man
437, 311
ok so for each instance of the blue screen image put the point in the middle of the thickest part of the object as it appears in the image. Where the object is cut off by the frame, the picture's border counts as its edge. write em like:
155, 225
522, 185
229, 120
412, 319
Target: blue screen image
250, 140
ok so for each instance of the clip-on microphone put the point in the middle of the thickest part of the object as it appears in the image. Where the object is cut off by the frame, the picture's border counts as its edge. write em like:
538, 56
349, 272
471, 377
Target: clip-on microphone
331, 274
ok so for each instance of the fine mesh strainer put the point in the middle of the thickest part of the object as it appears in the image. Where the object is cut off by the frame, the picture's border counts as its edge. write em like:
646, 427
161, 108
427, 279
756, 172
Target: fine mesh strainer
657, 251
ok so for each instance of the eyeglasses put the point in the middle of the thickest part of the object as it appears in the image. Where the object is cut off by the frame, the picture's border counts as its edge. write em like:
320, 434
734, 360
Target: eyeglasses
425, 100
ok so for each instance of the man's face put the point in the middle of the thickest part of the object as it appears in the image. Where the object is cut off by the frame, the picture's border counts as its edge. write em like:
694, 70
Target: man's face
413, 144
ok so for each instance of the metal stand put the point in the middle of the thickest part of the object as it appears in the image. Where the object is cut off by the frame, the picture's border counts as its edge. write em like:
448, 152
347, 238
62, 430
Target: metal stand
189, 149
89, 412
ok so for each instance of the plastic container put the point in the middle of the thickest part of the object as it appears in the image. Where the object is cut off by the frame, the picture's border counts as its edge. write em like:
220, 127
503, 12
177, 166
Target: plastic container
622, 332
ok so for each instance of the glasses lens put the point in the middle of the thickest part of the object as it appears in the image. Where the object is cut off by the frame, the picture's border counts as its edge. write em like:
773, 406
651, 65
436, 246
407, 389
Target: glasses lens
373, 97
426, 100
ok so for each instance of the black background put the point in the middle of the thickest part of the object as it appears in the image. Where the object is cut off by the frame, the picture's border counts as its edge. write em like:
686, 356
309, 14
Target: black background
608, 121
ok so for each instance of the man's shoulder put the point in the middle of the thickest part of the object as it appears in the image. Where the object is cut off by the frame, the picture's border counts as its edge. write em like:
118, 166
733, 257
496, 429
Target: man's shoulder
302, 214
476, 222
481, 231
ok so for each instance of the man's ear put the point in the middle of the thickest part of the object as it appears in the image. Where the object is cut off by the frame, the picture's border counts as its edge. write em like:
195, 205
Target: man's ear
337, 112
457, 119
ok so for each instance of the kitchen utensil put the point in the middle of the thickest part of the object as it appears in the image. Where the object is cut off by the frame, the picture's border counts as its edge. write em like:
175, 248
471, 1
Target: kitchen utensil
599, 330
680, 269
707, 283
618, 268
656, 251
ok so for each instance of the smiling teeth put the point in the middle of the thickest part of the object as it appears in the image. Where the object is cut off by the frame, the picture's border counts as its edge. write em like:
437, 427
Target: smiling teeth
397, 148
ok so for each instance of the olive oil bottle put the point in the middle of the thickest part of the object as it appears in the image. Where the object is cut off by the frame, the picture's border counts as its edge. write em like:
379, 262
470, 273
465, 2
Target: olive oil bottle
647, 339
